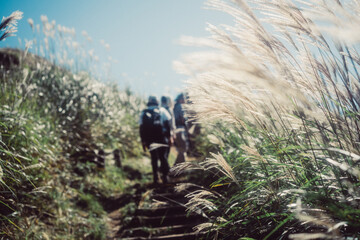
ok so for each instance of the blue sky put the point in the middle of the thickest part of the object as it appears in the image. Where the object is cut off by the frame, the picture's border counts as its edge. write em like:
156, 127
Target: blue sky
142, 34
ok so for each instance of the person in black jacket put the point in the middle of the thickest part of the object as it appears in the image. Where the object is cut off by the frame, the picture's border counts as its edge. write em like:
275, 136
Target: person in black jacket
154, 128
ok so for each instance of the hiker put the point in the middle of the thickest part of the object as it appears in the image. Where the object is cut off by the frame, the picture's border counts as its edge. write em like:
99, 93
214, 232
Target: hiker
181, 135
166, 103
154, 129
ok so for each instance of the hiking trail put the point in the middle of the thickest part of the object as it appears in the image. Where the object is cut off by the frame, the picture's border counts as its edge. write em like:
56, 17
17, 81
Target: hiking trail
160, 213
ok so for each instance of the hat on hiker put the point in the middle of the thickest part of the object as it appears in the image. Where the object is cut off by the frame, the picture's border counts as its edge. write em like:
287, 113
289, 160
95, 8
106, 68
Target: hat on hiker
164, 100
152, 101
179, 97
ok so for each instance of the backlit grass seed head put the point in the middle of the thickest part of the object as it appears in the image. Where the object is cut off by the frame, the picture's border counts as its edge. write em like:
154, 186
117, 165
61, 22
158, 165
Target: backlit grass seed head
345, 167
353, 156
319, 218
180, 187
215, 140
218, 162
204, 227
256, 64
209, 226
292, 70
31, 23
252, 152
154, 146
8, 25
339, 20
182, 167
199, 201
201, 194
195, 204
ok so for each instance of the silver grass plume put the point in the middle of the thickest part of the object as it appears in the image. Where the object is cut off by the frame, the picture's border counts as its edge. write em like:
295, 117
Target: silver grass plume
197, 203
154, 146
252, 67
204, 227
180, 168
218, 162
316, 217
252, 71
180, 187
8, 25
209, 226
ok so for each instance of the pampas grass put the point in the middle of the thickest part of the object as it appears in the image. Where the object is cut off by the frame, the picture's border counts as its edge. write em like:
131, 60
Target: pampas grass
8, 25
283, 82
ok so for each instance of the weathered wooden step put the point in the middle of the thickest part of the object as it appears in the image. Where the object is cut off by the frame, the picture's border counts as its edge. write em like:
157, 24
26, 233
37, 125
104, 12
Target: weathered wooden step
171, 189
180, 236
172, 197
159, 231
161, 211
157, 221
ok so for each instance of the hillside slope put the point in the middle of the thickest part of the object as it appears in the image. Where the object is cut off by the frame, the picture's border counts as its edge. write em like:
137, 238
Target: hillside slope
54, 126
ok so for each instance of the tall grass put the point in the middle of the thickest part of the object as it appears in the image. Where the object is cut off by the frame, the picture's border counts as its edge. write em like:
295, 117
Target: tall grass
283, 81
53, 119
8, 25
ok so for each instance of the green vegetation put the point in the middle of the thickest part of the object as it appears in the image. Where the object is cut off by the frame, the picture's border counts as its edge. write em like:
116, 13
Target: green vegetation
280, 143
55, 120
283, 94
52, 124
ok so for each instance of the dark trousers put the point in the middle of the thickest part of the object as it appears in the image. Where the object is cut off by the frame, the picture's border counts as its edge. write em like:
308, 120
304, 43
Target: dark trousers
167, 152
160, 154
